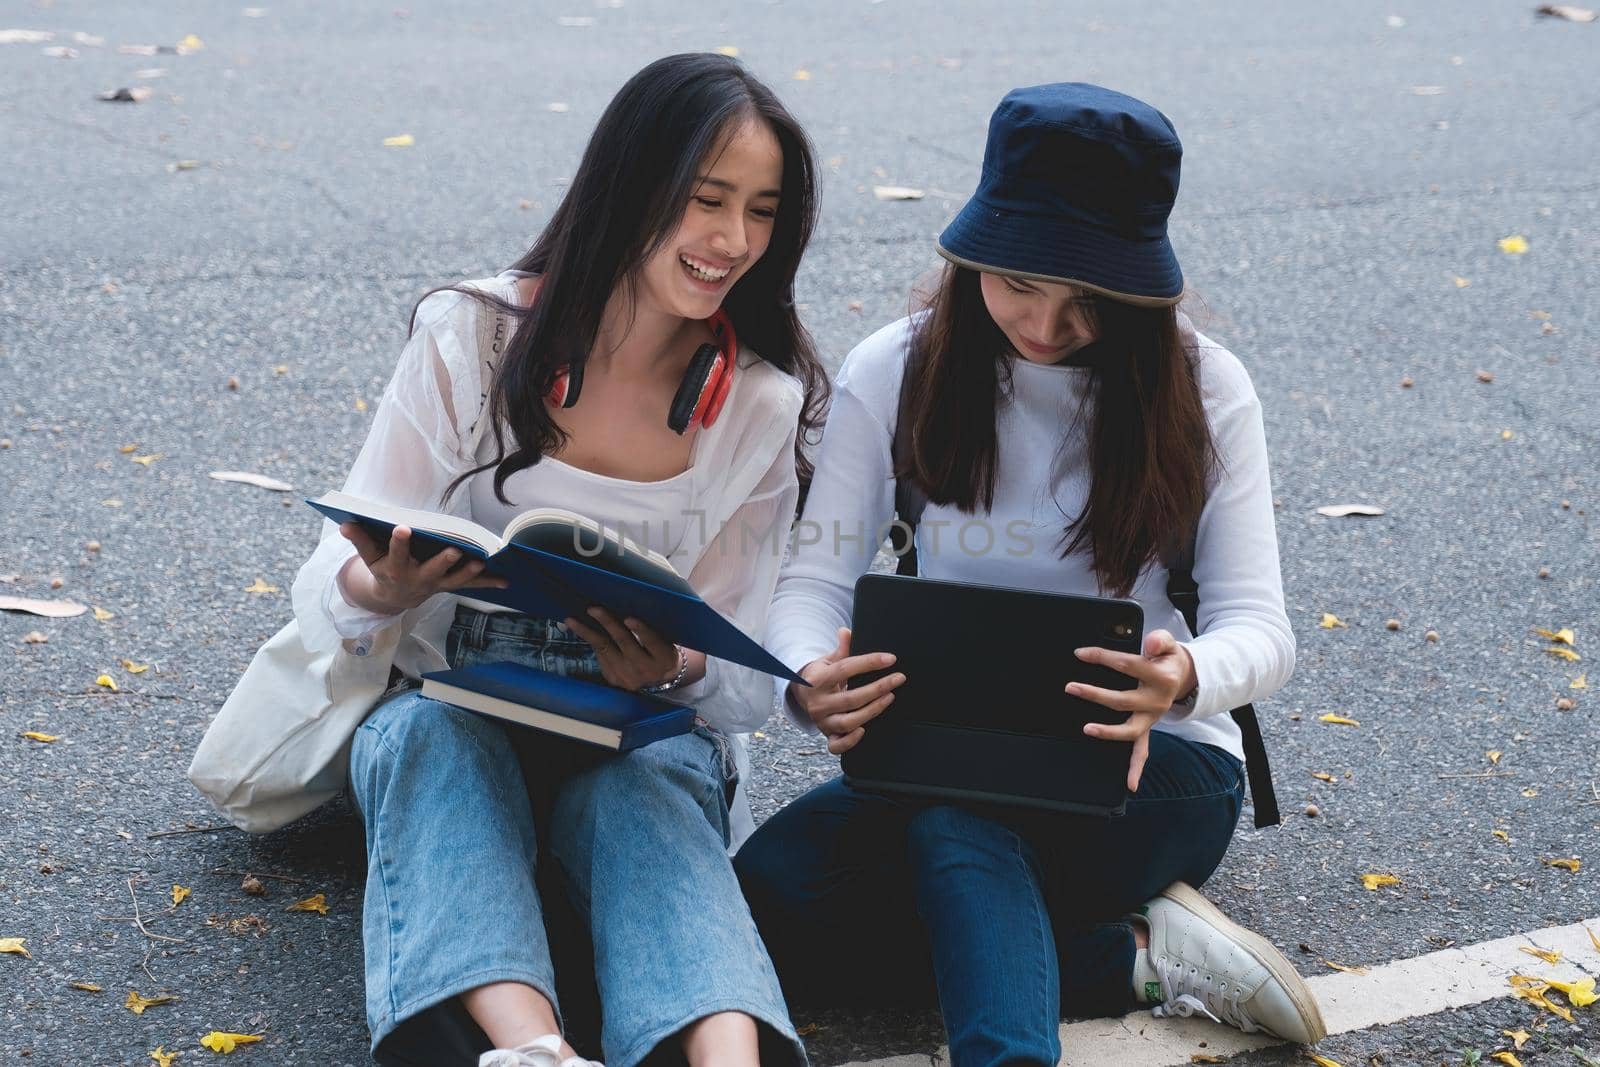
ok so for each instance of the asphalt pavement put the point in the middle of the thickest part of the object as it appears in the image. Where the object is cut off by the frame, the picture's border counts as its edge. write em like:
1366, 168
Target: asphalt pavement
220, 275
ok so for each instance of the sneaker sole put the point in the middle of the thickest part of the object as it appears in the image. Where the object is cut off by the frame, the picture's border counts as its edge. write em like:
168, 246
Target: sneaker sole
1266, 954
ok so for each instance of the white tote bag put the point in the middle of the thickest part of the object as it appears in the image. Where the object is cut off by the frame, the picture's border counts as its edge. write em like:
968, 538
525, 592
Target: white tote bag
280, 746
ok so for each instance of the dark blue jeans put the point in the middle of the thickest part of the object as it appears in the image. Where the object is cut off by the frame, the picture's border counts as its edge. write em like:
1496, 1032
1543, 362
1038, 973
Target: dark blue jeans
1012, 918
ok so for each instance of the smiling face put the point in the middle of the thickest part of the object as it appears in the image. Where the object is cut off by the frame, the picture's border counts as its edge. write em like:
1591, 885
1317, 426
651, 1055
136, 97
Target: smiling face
725, 227
1045, 322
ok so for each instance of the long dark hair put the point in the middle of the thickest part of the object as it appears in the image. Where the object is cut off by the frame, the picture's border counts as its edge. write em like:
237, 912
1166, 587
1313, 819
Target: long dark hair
635, 180
1150, 450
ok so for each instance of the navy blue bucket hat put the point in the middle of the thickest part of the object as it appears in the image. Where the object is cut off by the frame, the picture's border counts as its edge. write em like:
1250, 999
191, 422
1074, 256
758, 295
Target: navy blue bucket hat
1077, 185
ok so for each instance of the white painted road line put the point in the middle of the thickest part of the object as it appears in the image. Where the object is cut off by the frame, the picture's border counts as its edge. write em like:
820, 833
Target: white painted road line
1404, 989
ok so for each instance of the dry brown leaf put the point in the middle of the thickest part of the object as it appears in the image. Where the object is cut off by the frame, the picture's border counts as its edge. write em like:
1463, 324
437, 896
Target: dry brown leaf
35, 637
1563, 636
258, 586
126, 449
1323, 1061
1337, 720
1570, 865
1493, 756
1323, 776
134, 668
14, 945
162, 1057
1378, 881
49, 609
1331, 621
1507, 1058
1544, 954
102, 615
1561, 652
137, 1004
1206, 1057
180, 893
1502, 835
1346, 970
1339, 511
1518, 1037
87, 987
1530, 793
34, 735
1580, 682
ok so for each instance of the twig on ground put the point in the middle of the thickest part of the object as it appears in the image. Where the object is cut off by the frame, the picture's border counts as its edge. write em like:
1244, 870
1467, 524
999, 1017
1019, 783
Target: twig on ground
138, 920
1481, 774
259, 874
192, 830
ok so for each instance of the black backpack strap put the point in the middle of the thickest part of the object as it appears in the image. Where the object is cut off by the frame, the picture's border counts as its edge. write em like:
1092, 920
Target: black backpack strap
909, 499
1184, 593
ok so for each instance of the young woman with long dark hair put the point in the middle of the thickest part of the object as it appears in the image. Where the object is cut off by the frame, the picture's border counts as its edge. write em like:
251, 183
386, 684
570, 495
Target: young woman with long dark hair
579, 378
1058, 398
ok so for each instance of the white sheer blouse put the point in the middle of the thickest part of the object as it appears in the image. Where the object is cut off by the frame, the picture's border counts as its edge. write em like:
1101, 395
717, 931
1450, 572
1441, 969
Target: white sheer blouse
721, 522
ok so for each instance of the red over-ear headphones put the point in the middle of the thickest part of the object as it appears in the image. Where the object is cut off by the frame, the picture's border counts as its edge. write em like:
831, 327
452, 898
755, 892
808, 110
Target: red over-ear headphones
700, 396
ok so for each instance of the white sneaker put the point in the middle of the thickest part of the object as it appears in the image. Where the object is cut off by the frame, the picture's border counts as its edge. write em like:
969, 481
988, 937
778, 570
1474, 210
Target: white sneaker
1210, 965
540, 1052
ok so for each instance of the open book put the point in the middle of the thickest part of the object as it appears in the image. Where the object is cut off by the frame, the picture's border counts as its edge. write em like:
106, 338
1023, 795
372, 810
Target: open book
558, 564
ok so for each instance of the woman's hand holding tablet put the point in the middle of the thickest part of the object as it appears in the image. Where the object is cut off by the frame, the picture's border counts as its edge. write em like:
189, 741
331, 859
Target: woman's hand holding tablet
839, 712
1165, 673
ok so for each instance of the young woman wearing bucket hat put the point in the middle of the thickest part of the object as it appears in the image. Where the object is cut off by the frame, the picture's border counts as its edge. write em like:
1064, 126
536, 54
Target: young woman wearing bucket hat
1054, 389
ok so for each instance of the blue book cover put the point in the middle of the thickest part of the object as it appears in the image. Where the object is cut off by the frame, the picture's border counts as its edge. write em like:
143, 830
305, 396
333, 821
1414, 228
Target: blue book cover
585, 711
547, 582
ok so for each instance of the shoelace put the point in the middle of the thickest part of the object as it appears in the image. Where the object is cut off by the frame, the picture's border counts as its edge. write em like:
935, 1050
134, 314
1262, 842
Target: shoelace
1185, 988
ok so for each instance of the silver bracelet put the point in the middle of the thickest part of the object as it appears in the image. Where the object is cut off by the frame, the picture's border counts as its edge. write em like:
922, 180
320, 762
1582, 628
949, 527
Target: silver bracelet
676, 680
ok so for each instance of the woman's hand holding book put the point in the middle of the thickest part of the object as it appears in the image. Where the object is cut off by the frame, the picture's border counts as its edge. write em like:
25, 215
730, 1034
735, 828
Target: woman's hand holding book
387, 579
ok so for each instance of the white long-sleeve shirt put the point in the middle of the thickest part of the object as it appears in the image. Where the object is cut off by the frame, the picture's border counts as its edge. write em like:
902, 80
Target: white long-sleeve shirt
720, 522
1246, 648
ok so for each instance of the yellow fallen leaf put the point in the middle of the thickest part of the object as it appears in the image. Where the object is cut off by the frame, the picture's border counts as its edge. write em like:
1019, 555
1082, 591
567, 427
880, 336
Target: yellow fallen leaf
162, 1056
87, 987
1377, 881
102, 615
34, 735
145, 461
317, 903
731, 51
361, 405
14, 945
1206, 1057
125, 449
1515, 245
1461, 283
802, 75
1323, 1061
1518, 1037
1323, 776
1563, 636
1564, 653
1507, 1058
134, 668
1337, 720
1502, 835
192, 43
1493, 756
258, 586
404, 140
1580, 682
105, 681
1533, 991
1530, 793
137, 1004
1542, 953
1579, 994
1571, 865
1506, 435
1331, 621
217, 1041
179, 893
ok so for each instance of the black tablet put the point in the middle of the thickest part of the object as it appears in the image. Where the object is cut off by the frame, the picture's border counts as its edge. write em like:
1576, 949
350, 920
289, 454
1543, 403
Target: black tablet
983, 716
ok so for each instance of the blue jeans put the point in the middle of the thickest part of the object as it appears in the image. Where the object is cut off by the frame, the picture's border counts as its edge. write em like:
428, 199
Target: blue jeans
460, 892
1018, 917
